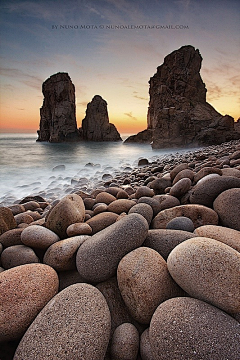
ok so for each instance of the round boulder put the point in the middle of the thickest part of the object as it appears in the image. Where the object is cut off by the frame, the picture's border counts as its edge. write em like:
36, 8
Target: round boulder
38, 237
145, 346
206, 191
24, 291
101, 221
68, 211
125, 342
75, 324
143, 209
181, 223
144, 191
18, 255
105, 198
79, 229
97, 259
227, 206
181, 187
7, 220
207, 270
62, 255
187, 328
199, 214
121, 205
144, 282
226, 235
11, 237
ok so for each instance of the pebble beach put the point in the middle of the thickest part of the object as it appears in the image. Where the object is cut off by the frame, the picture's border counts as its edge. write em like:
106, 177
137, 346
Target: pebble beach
142, 265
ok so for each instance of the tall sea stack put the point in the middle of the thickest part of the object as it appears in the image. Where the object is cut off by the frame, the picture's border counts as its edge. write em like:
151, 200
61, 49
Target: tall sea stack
95, 125
178, 114
58, 112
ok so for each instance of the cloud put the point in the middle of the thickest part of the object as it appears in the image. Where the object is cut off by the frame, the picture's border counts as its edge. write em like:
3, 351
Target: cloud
183, 3
27, 79
131, 116
135, 94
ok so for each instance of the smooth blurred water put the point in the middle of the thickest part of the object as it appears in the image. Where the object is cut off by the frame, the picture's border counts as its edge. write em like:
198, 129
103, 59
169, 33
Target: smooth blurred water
26, 165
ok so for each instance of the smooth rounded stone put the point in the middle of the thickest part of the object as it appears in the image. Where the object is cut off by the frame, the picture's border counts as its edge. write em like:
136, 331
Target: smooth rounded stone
75, 324
11, 237
143, 209
143, 162
144, 282
199, 214
152, 202
181, 223
206, 192
18, 255
23, 218
38, 237
122, 194
31, 205
24, 291
125, 342
61, 255
34, 214
235, 155
231, 172
69, 210
7, 220
101, 221
105, 198
79, 229
99, 208
67, 278
181, 187
226, 235
187, 328
17, 209
166, 201
144, 191
97, 259
89, 203
177, 169
206, 171
121, 205
186, 173
207, 270
113, 190
227, 206
159, 185
145, 346
117, 307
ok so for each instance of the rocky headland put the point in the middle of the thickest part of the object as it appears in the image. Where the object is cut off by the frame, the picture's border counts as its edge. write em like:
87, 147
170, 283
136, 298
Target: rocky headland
146, 265
178, 113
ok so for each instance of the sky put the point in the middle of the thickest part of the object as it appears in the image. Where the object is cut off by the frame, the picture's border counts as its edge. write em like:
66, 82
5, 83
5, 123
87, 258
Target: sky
87, 39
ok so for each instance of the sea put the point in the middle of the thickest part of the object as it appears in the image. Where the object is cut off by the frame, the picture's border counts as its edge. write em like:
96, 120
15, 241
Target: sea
52, 170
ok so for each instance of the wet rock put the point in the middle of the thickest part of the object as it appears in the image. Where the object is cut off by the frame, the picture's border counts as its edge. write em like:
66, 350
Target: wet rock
75, 324
24, 290
68, 211
227, 206
180, 188
97, 259
62, 255
125, 342
17, 209
143, 162
187, 328
79, 229
7, 221
121, 205
101, 221
207, 270
11, 238
31, 205
181, 223
206, 191
18, 255
144, 282
38, 237
199, 214
226, 235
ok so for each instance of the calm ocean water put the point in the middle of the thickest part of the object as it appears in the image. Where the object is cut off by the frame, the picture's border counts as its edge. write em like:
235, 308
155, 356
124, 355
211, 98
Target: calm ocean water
26, 166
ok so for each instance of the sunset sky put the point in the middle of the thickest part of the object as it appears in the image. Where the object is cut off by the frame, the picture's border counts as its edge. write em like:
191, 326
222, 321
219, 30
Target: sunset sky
37, 42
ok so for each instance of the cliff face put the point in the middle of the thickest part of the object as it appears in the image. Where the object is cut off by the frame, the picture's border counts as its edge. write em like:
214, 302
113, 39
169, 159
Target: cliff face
58, 112
95, 125
178, 114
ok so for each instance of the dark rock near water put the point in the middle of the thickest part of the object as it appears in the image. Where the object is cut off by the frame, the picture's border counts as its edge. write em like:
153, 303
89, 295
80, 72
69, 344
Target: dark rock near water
178, 114
58, 113
95, 125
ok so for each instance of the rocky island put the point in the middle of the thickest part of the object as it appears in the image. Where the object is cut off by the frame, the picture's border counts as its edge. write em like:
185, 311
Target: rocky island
178, 113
